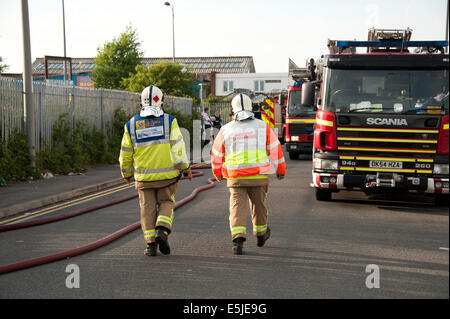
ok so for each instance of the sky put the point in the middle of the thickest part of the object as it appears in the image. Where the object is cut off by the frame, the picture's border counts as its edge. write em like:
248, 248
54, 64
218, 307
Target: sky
271, 31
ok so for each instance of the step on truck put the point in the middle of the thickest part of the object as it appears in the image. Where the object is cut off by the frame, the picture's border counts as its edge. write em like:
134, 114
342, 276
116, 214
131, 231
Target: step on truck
382, 125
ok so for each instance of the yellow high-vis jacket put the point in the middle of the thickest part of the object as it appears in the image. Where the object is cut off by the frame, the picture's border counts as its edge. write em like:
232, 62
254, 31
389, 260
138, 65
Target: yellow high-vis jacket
152, 149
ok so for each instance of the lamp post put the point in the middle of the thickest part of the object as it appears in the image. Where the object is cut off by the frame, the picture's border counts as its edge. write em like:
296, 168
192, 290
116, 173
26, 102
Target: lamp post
173, 30
28, 82
64, 36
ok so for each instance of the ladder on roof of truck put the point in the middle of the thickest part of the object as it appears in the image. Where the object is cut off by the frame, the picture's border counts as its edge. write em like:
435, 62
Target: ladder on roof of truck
385, 40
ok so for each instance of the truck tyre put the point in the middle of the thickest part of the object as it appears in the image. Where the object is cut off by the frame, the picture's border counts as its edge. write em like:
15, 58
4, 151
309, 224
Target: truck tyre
323, 194
293, 155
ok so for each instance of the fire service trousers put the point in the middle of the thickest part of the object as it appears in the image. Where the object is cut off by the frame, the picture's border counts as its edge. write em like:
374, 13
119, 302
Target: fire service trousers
256, 195
157, 205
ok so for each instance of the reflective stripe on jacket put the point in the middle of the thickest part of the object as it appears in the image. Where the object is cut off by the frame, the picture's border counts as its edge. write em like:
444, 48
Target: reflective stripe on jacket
152, 148
247, 149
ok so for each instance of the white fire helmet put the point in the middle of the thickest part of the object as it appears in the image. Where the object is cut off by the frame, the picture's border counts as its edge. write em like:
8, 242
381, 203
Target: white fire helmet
242, 107
151, 99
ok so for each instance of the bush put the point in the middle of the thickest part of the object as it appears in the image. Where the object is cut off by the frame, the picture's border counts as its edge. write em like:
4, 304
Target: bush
15, 161
77, 148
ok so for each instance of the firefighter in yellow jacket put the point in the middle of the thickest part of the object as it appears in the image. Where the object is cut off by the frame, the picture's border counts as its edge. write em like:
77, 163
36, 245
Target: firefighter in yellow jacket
245, 151
154, 152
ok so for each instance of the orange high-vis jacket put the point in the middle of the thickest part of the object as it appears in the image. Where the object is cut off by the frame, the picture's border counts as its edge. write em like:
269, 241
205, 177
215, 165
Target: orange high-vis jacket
243, 149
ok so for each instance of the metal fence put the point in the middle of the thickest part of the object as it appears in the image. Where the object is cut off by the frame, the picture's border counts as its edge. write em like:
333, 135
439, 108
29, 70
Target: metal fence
94, 107
222, 108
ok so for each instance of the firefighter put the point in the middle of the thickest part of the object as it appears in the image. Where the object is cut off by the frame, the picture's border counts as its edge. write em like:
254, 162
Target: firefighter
245, 152
153, 151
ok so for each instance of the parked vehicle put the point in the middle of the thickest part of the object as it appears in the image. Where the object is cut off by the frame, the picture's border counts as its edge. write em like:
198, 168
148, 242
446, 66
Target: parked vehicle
383, 122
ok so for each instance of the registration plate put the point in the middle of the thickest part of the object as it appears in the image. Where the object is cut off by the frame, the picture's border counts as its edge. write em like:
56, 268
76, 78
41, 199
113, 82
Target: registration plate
385, 164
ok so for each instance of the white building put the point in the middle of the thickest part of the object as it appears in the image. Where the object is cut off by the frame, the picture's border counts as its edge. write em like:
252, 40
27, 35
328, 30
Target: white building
256, 82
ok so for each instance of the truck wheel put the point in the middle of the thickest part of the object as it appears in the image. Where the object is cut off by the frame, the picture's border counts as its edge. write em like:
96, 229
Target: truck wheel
441, 200
293, 155
322, 194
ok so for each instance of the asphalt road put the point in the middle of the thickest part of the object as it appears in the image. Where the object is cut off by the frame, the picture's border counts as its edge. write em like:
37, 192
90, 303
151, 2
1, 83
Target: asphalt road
317, 249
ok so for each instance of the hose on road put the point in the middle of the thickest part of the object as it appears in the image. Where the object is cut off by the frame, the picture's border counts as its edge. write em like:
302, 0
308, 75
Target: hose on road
103, 241
52, 219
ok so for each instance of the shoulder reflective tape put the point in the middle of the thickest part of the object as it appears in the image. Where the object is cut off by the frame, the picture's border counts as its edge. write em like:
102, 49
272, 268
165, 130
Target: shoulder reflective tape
392, 130
166, 126
133, 131
324, 122
387, 140
344, 148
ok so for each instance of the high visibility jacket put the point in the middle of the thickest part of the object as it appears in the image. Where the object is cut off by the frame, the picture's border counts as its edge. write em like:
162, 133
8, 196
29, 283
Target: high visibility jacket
152, 149
247, 149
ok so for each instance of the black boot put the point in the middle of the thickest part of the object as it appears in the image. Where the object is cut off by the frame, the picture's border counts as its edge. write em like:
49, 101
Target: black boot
262, 239
151, 249
161, 239
238, 245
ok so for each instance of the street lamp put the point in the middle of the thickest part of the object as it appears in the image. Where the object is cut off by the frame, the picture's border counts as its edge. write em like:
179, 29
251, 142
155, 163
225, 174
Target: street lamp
173, 29
64, 36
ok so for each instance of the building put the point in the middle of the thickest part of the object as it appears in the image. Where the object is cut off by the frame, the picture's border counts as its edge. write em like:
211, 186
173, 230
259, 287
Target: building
226, 83
205, 68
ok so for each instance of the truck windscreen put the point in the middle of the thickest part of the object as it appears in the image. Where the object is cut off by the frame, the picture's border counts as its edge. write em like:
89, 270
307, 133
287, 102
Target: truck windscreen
295, 107
387, 91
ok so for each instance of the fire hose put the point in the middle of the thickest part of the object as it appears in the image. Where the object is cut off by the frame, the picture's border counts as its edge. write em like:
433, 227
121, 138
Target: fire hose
98, 243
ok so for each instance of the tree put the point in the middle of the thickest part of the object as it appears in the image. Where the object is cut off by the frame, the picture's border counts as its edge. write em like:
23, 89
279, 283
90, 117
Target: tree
3, 66
117, 60
170, 77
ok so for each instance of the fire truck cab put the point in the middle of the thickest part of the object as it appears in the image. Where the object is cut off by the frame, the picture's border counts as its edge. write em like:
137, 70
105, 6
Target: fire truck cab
383, 122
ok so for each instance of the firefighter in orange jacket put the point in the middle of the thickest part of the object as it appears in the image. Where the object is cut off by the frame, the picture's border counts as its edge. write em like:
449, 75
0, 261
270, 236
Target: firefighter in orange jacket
245, 152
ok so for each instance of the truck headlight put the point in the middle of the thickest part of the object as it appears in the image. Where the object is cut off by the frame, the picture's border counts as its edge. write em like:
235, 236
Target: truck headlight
295, 138
325, 164
440, 169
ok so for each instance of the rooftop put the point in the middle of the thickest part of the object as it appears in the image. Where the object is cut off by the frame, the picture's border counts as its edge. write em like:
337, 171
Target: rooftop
229, 64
